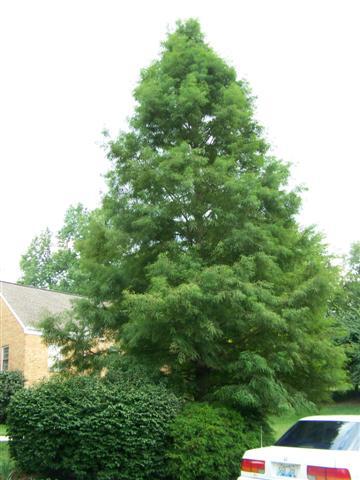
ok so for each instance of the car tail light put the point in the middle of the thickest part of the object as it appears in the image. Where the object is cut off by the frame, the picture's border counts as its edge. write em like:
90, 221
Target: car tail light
324, 473
253, 466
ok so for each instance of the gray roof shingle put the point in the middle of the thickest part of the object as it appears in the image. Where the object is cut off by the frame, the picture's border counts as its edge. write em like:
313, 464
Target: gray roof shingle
32, 304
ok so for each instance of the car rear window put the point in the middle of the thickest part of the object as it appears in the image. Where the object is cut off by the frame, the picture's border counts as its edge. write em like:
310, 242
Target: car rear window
327, 435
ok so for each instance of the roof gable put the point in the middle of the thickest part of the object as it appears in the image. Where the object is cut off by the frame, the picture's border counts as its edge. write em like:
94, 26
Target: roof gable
30, 305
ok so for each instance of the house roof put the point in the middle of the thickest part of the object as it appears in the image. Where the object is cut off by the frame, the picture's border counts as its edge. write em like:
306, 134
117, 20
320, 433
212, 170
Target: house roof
30, 305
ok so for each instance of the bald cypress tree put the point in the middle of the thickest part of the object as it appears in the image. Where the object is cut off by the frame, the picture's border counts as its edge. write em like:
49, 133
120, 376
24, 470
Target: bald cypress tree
198, 263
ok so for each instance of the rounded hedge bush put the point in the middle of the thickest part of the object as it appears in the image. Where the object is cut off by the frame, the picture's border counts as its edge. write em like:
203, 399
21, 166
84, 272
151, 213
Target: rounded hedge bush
85, 428
10, 383
208, 443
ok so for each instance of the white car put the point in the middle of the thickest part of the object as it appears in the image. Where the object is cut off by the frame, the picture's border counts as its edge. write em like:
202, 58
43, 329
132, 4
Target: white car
315, 448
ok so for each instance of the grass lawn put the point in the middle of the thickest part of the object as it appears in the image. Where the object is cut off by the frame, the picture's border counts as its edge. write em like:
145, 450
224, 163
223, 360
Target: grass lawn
4, 451
281, 424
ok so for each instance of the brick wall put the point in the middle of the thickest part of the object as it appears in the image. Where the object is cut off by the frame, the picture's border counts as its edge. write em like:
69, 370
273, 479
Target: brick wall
26, 352
12, 334
36, 359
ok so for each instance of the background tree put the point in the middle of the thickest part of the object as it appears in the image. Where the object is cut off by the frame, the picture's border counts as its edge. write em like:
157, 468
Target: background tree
197, 264
346, 307
36, 263
54, 263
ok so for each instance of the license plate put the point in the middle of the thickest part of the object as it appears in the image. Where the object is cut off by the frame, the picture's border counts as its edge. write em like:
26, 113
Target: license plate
286, 470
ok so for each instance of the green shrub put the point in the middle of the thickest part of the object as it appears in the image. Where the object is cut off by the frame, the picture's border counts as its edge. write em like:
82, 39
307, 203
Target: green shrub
85, 428
125, 369
208, 443
10, 383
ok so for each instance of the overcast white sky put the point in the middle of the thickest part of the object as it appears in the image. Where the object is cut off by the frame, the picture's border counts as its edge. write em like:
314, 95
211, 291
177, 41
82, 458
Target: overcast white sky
68, 69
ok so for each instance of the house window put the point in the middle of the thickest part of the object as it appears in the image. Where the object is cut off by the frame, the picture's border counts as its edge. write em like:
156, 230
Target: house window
5, 358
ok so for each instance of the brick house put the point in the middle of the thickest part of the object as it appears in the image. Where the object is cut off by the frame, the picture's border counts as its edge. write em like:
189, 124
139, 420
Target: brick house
21, 345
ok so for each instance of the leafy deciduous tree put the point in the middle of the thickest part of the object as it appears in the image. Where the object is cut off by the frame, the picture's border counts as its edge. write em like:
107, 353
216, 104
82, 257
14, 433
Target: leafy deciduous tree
55, 264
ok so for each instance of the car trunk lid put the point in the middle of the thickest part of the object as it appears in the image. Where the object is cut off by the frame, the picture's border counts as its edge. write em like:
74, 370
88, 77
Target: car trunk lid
289, 462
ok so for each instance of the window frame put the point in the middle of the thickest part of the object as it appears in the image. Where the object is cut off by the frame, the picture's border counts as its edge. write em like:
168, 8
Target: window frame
5, 355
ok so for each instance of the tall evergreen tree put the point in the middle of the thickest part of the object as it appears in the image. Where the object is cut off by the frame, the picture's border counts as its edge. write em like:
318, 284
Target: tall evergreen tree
198, 266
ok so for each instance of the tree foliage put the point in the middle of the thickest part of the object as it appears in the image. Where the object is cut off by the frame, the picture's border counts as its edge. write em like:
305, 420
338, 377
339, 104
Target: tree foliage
54, 263
197, 264
346, 307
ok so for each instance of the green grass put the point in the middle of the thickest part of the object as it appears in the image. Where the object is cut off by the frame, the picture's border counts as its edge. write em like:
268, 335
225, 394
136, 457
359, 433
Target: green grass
7, 469
4, 448
4, 452
281, 424
344, 408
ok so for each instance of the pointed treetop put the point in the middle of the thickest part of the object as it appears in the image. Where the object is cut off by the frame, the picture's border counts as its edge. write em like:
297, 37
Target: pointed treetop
191, 95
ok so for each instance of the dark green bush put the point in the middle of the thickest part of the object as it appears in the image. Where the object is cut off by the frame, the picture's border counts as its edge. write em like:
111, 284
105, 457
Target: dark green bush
86, 428
208, 443
10, 383
125, 369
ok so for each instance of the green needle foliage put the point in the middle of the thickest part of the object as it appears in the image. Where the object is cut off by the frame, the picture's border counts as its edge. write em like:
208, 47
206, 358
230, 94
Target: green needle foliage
198, 266
346, 308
